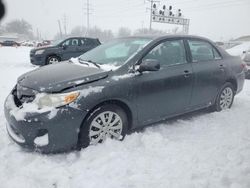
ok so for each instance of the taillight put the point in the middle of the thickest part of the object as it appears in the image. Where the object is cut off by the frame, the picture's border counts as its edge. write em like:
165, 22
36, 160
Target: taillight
243, 65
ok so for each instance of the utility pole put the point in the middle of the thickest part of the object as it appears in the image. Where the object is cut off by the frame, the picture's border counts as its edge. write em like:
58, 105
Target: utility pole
37, 34
88, 14
65, 24
151, 9
60, 28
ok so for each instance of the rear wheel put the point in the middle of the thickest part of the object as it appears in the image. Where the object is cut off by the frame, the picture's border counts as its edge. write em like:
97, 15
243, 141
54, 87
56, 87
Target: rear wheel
52, 59
107, 121
225, 97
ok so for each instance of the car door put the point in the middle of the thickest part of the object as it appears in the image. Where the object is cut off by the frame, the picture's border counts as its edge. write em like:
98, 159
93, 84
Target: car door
70, 48
168, 91
208, 70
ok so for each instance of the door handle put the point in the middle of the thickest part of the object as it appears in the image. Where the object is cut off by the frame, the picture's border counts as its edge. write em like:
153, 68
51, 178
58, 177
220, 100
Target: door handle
186, 73
222, 68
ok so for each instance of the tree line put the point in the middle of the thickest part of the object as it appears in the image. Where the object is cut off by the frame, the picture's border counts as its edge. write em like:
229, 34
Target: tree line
25, 30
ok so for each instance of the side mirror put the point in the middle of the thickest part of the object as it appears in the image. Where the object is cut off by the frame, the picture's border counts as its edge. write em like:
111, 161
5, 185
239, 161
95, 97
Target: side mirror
149, 65
64, 46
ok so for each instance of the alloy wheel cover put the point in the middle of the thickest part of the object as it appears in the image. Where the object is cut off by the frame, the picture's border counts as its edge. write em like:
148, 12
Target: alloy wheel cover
104, 125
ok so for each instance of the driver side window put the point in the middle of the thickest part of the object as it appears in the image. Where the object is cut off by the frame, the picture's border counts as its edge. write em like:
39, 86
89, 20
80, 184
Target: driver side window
74, 42
67, 42
71, 42
168, 53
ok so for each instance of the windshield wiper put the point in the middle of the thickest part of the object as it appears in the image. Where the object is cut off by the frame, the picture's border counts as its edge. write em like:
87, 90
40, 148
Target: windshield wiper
87, 62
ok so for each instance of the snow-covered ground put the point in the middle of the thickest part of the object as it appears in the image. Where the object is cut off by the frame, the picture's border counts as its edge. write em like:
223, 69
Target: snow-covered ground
200, 150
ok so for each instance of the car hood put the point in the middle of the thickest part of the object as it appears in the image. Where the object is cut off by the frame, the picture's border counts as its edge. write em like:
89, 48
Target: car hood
61, 76
44, 47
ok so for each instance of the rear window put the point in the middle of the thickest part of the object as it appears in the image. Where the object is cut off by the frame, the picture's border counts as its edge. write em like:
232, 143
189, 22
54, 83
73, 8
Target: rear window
202, 51
85, 41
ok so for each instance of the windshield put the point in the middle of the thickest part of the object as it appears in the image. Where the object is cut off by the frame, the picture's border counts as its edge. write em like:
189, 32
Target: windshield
116, 52
56, 42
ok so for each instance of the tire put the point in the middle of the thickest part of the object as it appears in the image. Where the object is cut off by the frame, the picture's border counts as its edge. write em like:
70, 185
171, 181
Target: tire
52, 59
93, 131
225, 98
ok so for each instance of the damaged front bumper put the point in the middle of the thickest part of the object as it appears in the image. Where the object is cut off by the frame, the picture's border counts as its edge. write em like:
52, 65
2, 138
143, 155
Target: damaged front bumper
38, 131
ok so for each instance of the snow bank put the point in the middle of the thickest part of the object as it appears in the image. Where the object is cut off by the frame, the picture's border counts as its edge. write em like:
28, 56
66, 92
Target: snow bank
199, 150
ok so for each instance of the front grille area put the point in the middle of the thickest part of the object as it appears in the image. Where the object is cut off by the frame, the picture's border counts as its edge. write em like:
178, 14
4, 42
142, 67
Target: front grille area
32, 53
23, 95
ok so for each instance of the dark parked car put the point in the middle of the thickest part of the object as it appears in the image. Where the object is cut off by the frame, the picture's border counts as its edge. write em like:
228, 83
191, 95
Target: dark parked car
9, 43
62, 50
117, 87
44, 43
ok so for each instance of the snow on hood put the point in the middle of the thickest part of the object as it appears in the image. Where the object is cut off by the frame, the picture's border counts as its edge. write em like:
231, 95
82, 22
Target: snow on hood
121, 77
105, 67
56, 77
90, 90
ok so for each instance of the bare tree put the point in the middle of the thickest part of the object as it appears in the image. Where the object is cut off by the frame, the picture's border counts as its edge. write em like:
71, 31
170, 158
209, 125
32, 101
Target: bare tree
94, 32
103, 35
2, 30
21, 27
78, 31
175, 30
146, 31
124, 32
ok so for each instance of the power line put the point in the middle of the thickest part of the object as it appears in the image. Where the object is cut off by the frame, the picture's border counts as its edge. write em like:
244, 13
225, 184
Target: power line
127, 8
123, 8
192, 2
216, 5
117, 3
87, 4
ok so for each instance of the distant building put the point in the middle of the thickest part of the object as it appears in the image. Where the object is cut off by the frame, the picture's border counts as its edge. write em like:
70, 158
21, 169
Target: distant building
9, 37
13, 36
243, 38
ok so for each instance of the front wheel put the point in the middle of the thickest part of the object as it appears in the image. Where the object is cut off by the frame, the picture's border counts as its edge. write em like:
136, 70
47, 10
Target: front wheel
225, 97
52, 59
107, 121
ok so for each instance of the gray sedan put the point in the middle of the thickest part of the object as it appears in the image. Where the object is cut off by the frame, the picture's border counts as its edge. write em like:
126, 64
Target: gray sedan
119, 86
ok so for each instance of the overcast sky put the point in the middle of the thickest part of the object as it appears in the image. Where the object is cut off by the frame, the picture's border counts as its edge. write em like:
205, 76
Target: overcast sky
216, 19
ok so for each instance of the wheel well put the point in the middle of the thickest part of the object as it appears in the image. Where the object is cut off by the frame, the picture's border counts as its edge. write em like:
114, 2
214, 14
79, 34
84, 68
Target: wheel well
116, 102
121, 104
52, 55
233, 82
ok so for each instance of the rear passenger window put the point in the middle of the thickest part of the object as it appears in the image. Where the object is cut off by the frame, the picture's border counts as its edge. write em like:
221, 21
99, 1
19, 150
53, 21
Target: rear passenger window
202, 51
86, 42
74, 42
168, 53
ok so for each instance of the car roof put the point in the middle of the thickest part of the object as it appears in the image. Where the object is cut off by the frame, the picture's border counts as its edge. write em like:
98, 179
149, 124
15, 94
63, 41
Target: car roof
81, 38
160, 37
